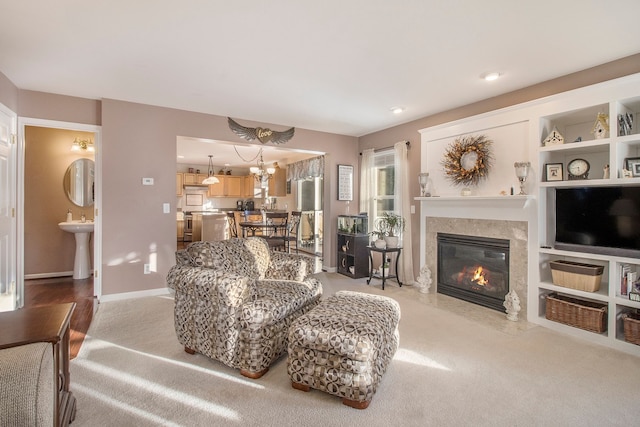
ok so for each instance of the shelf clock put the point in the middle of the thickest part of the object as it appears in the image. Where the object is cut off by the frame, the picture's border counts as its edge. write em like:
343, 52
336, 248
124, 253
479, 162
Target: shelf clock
578, 169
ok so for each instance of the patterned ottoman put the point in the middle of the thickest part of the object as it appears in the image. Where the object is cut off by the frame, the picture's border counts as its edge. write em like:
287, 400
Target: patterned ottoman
344, 345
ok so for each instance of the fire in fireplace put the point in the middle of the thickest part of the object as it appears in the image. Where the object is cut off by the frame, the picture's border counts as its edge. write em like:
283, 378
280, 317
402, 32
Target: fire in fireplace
474, 269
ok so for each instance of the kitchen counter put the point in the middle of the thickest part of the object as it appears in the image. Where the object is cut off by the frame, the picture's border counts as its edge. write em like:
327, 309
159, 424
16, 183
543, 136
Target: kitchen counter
214, 226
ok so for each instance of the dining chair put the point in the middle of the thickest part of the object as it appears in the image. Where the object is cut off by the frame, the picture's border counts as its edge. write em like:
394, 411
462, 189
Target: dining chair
293, 228
276, 235
231, 220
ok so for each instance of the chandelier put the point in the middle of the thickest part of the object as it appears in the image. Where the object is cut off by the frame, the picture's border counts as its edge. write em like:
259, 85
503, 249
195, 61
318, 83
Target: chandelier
82, 145
210, 179
260, 173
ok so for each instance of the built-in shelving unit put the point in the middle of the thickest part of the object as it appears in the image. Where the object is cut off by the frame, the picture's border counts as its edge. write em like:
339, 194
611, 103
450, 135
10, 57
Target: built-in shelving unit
612, 150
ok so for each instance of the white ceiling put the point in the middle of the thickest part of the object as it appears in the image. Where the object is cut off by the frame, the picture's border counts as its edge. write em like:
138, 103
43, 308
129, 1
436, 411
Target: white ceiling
333, 65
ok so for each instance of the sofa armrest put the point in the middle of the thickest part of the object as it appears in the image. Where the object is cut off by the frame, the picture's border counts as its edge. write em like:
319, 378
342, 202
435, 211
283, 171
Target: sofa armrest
298, 266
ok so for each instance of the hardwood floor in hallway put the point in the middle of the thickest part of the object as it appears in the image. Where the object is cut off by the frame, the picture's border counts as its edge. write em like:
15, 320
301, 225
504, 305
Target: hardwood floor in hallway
41, 292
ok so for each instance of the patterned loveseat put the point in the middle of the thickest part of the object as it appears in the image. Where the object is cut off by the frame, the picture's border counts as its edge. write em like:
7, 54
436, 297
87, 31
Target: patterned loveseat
235, 300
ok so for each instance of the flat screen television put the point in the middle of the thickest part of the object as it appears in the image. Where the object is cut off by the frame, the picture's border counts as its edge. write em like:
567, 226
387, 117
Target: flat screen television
603, 220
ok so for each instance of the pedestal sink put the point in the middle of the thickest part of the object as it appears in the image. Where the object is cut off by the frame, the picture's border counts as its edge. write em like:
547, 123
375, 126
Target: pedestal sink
82, 231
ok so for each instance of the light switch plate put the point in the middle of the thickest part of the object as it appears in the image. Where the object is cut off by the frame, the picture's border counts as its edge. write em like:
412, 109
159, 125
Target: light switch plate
166, 208
147, 181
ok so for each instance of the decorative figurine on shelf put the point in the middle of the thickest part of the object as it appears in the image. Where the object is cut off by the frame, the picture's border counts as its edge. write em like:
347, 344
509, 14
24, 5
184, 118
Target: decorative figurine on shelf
625, 124
554, 138
424, 280
512, 305
627, 173
601, 126
606, 171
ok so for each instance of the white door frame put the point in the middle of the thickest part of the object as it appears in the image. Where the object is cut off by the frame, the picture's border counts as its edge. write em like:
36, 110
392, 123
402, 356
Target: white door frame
97, 230
17, 296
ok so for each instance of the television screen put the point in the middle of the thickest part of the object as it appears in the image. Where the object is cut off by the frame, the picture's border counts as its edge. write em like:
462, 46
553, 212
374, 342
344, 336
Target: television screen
599, 219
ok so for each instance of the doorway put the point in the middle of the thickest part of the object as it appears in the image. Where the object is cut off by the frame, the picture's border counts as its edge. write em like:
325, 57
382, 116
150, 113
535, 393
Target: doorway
236, 159
57, 139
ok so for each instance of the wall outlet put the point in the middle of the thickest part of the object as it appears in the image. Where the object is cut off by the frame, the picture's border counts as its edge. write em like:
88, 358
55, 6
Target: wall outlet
147, 181
147, 269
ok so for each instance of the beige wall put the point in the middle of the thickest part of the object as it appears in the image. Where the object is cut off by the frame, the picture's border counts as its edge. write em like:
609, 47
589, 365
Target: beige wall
40, 105
48, 249
410, 131
8, 93
140, 141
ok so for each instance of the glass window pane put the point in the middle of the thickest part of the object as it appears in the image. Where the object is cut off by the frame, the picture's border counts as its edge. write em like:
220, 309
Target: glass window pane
385, 182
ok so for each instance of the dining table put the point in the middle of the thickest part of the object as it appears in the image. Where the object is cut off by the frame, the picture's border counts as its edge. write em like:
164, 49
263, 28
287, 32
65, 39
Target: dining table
266, 228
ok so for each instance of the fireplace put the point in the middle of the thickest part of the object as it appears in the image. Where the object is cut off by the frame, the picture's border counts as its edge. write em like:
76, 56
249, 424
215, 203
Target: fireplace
474, 269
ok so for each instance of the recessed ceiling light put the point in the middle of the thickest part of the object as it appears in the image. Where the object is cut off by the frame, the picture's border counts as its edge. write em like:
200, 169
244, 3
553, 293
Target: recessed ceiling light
491, 76
397, 110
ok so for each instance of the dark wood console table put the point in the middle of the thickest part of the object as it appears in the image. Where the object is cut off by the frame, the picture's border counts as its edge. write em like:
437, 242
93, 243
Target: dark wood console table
45, 324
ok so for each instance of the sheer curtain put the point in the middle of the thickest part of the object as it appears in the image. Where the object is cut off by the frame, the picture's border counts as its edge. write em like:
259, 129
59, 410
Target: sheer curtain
367, 187
402, 205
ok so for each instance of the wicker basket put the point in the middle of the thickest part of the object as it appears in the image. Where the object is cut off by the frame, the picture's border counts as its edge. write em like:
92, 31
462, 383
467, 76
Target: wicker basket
576, 275
591, 316
631, 327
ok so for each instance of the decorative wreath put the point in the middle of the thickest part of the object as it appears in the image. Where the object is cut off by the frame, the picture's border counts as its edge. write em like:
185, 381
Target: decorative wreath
468, 160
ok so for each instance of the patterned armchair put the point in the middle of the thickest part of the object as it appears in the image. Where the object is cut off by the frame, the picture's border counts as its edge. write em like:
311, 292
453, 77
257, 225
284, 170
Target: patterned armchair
235, 300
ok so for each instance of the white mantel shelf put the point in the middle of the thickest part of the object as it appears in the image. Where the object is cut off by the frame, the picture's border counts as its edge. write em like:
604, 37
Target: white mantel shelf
515, 201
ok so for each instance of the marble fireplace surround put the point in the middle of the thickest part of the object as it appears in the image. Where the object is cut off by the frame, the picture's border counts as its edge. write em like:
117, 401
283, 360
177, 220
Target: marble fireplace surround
514, 231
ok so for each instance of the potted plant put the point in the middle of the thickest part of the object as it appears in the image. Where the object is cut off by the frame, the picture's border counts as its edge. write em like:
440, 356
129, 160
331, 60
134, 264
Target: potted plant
392, 225
379, 241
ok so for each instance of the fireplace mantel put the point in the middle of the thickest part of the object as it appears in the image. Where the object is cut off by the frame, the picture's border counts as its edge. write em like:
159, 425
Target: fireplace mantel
510, 201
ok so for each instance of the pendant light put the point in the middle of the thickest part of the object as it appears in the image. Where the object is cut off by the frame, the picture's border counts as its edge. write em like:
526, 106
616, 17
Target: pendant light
211, 179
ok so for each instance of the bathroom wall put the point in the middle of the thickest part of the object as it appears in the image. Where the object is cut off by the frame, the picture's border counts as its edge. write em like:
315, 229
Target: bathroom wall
49, 251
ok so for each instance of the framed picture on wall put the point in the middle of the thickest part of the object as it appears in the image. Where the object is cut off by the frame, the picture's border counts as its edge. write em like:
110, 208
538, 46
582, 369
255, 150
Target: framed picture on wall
345, 182
553, 172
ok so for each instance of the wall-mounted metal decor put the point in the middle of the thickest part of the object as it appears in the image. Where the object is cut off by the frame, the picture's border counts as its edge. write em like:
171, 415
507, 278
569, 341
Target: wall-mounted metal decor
263, 135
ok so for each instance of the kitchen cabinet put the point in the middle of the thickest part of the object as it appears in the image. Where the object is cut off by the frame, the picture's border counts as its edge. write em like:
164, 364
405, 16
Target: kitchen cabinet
278, 183
217, 190
249, 186
234, 186
189, 178
179, 184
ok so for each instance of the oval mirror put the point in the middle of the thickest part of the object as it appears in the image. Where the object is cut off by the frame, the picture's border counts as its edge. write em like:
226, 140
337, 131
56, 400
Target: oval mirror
79, 182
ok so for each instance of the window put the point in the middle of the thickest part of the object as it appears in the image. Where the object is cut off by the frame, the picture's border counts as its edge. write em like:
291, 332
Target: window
384, 186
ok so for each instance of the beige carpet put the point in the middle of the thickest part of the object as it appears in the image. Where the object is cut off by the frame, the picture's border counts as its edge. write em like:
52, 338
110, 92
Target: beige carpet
450, 370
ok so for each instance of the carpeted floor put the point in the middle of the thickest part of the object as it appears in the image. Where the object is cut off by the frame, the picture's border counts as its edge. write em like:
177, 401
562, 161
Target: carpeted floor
457, 365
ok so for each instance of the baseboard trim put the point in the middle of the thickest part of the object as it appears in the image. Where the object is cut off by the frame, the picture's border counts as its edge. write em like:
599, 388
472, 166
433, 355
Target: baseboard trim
137, 294
48, 275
